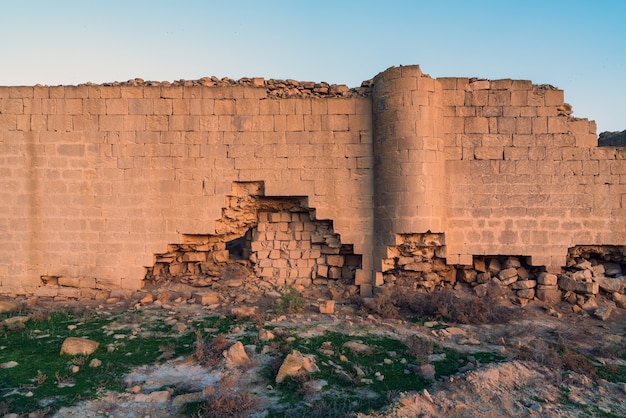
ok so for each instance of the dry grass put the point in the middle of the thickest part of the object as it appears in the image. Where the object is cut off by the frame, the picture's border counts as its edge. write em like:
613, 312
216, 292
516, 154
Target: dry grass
210, 354
447, 304
420, 348
459, 308
227, 400
556, 357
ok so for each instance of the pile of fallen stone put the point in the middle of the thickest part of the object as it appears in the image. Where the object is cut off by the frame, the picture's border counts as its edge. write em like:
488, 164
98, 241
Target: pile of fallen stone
419, 262
275, 88
586, 279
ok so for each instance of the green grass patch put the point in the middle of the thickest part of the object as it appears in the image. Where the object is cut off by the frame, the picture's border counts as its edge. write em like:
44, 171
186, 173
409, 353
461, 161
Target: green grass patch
126, 340
367, 380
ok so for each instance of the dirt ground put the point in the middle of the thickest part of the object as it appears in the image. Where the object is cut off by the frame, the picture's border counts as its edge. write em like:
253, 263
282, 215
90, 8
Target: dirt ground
522, 387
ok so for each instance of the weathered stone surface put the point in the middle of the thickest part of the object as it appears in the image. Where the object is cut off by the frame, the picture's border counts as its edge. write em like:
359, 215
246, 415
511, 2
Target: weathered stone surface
525, 293
620, 300
327, 307
73, 346
237, 355
603, 312
609, 285
8, 306
549, 295
296, 363
547, 279
524, 284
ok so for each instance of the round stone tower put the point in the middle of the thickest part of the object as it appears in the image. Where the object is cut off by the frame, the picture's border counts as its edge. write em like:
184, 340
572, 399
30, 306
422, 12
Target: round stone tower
409, 163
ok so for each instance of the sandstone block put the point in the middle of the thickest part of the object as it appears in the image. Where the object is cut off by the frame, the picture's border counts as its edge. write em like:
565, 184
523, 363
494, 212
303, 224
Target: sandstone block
207, 298
294, 364
620, 300
609, 285
507, 273
550, 296
78, 346
327, 307
236, 355
547, 279
524, 284
525, 293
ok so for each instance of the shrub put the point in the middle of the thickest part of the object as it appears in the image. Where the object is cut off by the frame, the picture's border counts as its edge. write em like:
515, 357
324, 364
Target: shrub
290, 301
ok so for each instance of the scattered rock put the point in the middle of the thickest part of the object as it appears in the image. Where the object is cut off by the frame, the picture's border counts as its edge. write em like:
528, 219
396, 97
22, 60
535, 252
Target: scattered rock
179, 327
427, 371
603, 313
15, 320
296, 363
236, 355
73, 346
265, 335
95, 363
620, 300
327, 307
8, 365
358, 347
243, 311
207, 298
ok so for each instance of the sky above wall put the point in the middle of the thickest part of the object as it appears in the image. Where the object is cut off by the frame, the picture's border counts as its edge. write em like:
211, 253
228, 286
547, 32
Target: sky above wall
578, 46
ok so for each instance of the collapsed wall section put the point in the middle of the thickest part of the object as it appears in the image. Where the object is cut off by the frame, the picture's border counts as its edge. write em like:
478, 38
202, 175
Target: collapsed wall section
97, 179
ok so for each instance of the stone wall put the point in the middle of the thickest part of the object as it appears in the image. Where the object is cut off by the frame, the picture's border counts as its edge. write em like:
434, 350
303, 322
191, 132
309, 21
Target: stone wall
98, 182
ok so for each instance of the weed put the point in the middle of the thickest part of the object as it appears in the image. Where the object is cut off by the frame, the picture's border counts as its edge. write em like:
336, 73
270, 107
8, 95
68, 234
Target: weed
227, 400
463, 309
419, 348
168, 351
290, 302
41, 378
79, 360
210, 354
574, 361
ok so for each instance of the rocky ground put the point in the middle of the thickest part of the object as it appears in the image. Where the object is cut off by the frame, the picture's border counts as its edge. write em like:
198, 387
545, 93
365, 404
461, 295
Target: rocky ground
530, 385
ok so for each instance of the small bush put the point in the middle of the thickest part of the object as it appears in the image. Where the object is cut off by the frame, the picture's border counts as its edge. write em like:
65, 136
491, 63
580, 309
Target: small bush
290, 301
456, 307
227, 400
420, 348
210, 354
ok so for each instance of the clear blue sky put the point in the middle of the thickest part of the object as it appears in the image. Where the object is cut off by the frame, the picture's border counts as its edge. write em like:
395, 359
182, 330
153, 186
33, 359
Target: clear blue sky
578, 46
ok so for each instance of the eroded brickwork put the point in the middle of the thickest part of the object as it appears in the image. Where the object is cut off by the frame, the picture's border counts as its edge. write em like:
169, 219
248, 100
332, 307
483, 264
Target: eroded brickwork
97, 180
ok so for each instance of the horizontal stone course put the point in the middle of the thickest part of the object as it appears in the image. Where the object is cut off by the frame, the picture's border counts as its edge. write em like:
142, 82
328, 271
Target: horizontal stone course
137, 163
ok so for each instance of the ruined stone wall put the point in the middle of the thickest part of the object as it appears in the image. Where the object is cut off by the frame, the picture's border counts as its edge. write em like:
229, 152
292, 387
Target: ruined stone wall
96, 180
103, 186
524, 177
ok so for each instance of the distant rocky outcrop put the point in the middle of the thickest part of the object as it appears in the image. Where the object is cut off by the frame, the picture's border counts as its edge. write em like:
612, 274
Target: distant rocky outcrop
612, 139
